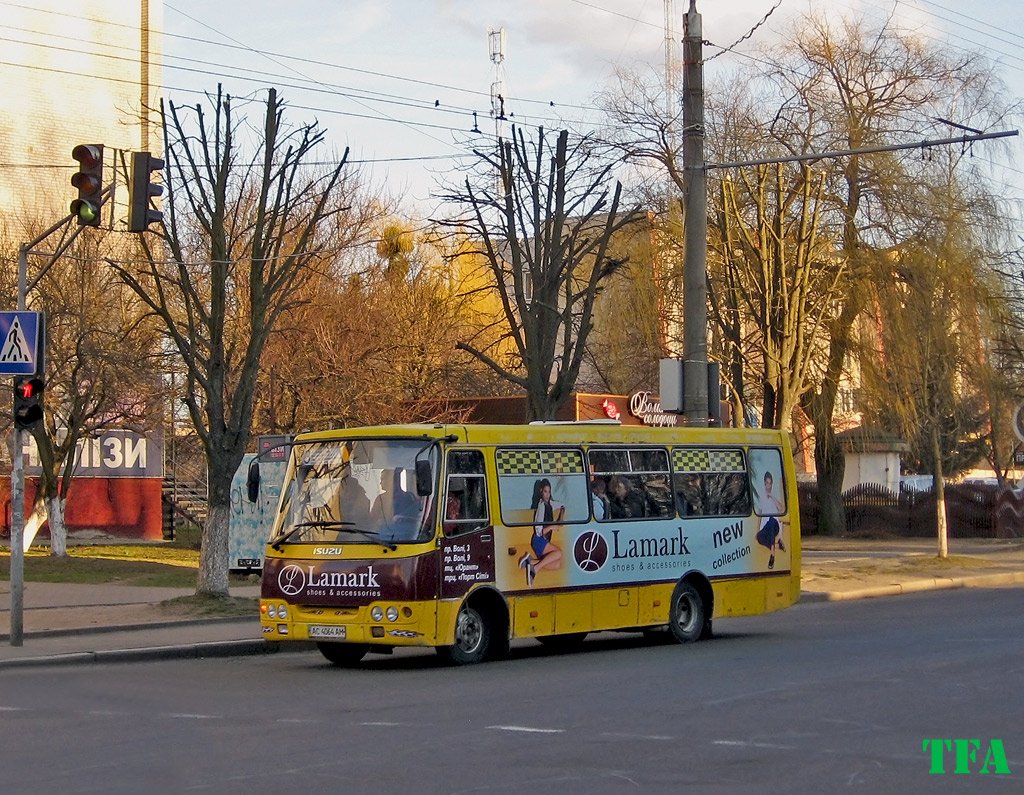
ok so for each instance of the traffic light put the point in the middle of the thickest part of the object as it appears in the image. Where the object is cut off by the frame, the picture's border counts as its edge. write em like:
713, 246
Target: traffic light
142, 189
89, 181
28, 410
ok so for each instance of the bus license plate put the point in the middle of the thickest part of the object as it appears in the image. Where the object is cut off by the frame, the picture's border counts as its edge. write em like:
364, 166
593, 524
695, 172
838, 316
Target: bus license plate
334, 633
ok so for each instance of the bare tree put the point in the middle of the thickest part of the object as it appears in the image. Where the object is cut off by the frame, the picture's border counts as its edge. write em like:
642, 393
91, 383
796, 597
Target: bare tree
239, 238
544, 232
772, 273
924, 360
852, 84
102, 375
833, 84
778, 278
100, 372
372, 343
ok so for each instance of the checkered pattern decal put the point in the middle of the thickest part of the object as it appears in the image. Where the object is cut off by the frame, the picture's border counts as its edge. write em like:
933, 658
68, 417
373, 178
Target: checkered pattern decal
691, 459
539, 462
519, 462
727, 460
562, 461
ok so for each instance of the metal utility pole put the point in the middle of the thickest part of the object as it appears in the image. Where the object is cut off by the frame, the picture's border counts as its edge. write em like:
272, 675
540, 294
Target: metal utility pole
695, 227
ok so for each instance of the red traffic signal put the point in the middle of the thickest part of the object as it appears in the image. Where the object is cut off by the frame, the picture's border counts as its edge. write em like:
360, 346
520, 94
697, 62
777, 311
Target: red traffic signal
89, 181
28, 411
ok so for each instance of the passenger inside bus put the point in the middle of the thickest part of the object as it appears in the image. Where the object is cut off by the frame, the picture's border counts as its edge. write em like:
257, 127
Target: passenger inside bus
625, 501
395, 508
599, 495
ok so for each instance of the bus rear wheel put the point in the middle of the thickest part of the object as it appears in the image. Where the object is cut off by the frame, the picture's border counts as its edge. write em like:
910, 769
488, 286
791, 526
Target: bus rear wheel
686, 617
343, 655
472, 638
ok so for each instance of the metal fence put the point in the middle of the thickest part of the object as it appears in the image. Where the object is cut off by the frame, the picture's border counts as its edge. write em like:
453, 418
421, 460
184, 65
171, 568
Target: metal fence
873, 509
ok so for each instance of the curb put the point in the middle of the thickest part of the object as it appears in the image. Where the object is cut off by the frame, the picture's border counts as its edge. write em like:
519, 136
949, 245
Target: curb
171, 624
915, 586
234, 648
209, 650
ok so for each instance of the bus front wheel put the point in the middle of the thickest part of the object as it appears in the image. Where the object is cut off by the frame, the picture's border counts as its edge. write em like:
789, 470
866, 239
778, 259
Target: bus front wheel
686, 615
343, 654
472, 638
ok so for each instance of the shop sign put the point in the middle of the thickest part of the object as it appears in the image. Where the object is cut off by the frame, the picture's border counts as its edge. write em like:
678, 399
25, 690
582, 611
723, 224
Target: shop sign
648, 410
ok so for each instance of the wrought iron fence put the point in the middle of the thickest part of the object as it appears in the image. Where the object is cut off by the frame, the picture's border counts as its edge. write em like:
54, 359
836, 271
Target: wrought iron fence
873, 509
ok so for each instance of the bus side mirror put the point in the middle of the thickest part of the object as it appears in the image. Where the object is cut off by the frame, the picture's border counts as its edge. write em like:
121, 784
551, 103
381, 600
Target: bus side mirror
424, 479
252, 482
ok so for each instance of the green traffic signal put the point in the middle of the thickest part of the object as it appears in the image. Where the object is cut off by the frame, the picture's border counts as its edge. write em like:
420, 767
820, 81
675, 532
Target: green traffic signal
89, 181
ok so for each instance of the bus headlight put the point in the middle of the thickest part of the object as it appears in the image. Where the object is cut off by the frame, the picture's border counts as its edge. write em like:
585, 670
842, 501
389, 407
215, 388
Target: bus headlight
377, 614
282, 611
392, 613
271, 611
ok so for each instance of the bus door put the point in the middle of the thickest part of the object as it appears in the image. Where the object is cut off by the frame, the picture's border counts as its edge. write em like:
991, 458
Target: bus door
467, 544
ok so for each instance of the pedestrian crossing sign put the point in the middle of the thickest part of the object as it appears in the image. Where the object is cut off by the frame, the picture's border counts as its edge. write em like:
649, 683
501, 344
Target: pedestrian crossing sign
21, 343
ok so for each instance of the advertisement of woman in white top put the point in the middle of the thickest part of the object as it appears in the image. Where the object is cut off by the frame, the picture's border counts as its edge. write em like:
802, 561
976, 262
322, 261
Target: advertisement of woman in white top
548, 515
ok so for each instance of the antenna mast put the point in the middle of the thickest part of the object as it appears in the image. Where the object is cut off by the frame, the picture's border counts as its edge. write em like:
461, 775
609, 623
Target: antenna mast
496, 41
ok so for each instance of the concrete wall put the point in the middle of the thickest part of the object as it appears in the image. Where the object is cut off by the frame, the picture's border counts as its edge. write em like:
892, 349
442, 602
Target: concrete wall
883, 468
96, 507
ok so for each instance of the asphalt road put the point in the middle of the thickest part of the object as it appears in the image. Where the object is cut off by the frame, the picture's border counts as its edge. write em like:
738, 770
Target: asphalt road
820, 698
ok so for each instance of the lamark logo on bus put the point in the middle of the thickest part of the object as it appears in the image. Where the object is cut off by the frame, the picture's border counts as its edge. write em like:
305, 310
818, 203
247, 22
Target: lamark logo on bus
293, 579
650, 547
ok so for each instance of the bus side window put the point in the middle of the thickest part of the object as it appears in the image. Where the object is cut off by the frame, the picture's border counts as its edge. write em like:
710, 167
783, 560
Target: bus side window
658, 495
710, 482
688, 494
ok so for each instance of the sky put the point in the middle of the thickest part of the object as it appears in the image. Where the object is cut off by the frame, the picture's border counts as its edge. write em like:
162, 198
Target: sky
405, 83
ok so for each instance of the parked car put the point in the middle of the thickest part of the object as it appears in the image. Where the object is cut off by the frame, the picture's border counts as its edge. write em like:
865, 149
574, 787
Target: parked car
916, 482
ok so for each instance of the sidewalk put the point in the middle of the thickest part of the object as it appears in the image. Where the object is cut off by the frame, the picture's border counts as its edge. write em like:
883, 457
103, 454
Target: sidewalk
70, 623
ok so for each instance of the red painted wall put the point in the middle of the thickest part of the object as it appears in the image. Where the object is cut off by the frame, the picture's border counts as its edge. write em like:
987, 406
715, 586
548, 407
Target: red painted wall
120, 507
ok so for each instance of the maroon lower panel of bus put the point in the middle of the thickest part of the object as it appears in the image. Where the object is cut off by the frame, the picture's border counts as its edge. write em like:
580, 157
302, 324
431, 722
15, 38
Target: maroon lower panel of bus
465, 561
333, 582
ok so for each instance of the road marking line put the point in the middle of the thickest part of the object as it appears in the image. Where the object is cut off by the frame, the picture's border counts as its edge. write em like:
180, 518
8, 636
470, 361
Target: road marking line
530, 729
745, 744
193, 715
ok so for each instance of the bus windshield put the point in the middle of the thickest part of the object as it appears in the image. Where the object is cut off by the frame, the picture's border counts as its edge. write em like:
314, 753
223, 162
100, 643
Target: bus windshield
356, 491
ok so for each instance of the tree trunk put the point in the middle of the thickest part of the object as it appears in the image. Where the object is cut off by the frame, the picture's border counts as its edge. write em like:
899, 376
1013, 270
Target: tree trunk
54, 508
831, 467
940, 494
213, 557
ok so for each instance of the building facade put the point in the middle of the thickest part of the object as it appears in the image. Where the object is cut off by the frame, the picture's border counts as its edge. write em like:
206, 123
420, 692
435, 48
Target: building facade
82, 73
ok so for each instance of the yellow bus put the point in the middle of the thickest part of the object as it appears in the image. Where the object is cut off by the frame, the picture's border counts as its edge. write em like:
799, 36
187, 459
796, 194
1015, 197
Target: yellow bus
464, 537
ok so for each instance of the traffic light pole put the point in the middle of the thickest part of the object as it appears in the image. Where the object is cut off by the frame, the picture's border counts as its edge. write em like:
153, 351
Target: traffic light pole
17, 460
18, 485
